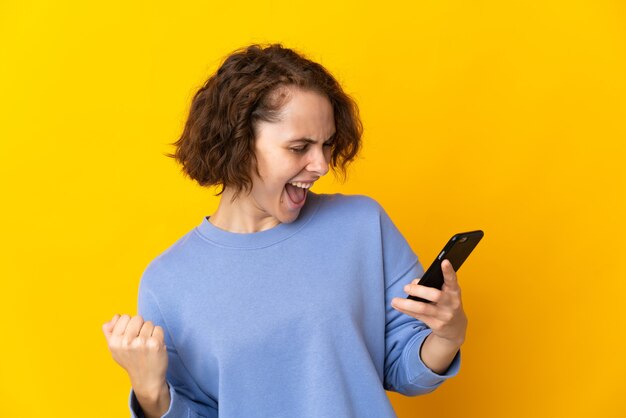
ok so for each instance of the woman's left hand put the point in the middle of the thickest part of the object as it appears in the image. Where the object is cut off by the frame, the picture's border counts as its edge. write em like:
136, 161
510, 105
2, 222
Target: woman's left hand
445, 316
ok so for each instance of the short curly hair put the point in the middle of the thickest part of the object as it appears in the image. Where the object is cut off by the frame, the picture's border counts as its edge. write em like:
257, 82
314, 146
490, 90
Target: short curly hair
217, 143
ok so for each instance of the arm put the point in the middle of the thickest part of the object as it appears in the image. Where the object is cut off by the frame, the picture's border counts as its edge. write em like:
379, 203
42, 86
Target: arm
414, 364
169, 403
176, 398
414, 360
179, 395
438, 353
445, 316
153, 404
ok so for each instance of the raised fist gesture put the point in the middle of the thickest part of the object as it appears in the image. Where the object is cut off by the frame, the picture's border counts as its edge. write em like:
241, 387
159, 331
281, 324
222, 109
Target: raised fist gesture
140, 349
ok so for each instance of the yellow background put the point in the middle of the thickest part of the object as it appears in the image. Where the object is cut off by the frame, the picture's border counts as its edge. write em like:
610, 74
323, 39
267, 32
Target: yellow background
508, 116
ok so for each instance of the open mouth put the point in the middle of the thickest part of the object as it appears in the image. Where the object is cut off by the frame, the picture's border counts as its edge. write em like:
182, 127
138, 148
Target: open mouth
297, 192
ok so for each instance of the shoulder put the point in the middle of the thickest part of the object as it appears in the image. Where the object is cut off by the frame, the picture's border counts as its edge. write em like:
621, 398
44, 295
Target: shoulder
360, 211
160, 271
351, 214
353, 204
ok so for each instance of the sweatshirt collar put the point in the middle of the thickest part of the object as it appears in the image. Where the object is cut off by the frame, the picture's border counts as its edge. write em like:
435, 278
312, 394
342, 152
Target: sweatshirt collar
280, 232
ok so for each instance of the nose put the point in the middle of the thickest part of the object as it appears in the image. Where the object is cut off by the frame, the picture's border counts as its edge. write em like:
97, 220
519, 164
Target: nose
318, 163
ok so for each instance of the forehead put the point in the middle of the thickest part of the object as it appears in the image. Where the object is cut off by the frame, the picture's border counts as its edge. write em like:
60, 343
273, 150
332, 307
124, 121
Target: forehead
306, 111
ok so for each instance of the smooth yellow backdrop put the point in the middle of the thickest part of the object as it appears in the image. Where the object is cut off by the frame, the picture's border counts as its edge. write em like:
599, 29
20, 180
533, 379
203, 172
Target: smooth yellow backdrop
504, 116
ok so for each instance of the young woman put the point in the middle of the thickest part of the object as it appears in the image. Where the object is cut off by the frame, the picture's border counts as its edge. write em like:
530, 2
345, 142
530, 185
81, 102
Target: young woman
284, 302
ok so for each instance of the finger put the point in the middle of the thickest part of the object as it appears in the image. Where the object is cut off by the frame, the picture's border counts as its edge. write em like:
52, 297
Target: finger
133, 327
107, 327
415, 281
120, 325
424, 292
146, 330
157, 333
428, 320
449, 275
414, 307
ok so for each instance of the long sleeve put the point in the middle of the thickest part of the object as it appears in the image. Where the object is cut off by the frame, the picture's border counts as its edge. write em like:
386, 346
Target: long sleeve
290, 321
405, 372
178, 406
181, 384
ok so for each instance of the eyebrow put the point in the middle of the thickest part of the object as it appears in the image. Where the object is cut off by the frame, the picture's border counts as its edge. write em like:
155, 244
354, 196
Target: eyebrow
309, 140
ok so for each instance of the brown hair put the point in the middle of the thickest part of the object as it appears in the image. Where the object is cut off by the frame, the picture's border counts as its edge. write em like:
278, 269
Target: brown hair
217, 143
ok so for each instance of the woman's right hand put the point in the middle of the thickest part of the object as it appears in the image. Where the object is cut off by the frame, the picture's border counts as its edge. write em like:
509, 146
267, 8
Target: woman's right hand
140, 349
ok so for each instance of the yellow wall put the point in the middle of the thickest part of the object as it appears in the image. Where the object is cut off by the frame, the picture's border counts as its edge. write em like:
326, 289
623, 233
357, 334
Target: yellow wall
504, 116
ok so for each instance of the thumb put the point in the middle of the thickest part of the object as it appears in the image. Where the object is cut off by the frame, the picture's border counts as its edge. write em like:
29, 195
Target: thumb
449, 275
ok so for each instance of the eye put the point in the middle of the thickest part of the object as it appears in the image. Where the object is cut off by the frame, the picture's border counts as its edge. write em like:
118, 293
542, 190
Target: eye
299, 150
302, 149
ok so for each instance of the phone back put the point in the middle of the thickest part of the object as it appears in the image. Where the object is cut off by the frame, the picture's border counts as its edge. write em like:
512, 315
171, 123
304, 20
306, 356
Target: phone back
456, 251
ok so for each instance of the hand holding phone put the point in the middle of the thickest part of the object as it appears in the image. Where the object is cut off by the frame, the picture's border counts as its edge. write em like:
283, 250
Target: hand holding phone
456, 251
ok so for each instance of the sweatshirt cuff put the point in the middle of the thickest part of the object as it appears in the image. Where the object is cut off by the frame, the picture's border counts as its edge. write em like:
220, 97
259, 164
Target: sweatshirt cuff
177, 407
420, 374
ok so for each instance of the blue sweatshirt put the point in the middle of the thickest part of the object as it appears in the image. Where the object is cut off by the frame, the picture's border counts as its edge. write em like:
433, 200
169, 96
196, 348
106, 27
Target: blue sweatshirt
293, 321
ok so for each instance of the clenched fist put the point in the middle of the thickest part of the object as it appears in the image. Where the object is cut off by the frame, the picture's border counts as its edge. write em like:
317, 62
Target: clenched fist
140, 349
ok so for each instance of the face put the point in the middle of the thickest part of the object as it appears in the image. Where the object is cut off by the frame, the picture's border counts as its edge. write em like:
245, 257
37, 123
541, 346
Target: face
295, 149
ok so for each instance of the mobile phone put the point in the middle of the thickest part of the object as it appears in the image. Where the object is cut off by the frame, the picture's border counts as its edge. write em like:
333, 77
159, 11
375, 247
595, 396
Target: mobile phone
456, 251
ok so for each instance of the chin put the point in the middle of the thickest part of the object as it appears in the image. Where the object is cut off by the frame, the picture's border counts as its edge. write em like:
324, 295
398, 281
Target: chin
289, 217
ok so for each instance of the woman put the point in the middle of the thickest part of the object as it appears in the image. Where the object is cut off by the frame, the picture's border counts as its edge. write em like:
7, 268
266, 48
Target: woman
284, 302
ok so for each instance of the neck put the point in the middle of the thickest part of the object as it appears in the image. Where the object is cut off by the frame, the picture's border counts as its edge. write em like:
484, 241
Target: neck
242, 216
